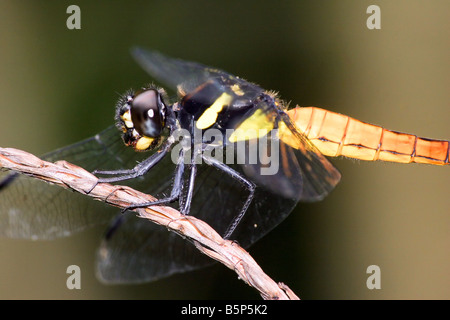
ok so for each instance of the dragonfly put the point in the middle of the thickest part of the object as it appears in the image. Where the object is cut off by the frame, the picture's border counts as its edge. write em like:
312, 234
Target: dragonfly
235, 197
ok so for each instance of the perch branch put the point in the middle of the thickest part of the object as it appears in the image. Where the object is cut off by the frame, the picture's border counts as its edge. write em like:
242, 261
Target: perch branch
206, 239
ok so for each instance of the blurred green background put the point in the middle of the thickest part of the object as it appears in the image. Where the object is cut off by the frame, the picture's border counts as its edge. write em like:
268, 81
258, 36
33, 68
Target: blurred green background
58, 86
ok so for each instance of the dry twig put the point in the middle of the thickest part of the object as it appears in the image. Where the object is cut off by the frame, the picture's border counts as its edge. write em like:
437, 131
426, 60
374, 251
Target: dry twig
206, 239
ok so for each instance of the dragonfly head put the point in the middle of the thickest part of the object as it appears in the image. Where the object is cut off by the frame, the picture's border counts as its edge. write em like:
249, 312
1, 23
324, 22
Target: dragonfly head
141, 116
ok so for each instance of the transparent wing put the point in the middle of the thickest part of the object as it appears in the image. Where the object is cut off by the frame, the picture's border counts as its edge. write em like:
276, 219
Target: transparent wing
34, 209
184, 76
141, 251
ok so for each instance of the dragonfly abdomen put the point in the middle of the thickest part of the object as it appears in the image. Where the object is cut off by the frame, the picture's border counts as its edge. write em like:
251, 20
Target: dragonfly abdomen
336, 135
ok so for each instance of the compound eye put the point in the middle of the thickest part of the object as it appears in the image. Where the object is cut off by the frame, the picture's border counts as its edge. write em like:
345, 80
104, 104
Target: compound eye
147, 113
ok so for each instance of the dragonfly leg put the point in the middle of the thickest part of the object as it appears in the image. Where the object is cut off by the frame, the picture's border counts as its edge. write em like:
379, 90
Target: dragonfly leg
176, 188
185, 207
239, 177
139, 170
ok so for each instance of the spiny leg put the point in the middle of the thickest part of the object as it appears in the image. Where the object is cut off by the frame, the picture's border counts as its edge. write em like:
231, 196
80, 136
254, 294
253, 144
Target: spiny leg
239, 177
185, 207
176, 187
139, 170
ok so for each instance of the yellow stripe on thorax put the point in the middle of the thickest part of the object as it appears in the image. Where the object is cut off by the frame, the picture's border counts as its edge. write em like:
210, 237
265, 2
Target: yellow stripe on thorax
209, 116
255, 126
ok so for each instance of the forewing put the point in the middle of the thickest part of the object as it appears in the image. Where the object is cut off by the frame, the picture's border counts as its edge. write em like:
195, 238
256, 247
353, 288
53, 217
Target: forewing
185, 76
30, 208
